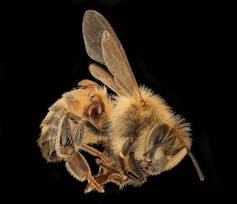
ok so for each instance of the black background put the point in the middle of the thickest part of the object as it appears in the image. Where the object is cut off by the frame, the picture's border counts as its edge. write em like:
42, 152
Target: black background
179, 50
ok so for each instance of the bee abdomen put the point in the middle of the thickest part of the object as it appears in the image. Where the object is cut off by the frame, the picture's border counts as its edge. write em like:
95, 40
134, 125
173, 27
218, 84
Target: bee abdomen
49, 132
52, 119
47, 142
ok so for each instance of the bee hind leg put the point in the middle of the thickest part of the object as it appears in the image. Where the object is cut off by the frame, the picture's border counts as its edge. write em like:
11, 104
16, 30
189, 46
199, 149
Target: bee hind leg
94, 152
79, 168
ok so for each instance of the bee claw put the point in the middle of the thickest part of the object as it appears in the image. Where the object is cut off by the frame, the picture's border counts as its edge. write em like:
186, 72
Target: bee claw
91, 187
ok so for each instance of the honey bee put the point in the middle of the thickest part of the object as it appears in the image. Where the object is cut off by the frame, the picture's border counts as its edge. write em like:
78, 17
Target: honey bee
145, 137
74, 123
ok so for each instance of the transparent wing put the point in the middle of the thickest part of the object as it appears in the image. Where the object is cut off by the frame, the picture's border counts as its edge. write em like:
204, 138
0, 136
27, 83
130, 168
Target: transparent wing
117, 63
106, 78
93, 26
103, 46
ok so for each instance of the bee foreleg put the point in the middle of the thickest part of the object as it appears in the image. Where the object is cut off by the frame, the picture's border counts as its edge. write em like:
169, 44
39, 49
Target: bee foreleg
129, 167
127, 146
128, 163
79, 169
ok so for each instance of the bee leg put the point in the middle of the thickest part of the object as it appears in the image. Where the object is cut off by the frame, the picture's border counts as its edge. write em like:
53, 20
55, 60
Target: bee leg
76, 164
128, 162
79, 168
94, 152
107, 174
112, 173
130, 168
78, 136
105, 178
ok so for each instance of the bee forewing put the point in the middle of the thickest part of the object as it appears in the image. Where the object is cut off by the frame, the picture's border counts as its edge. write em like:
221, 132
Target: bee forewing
103, 46
93, 26
116, 61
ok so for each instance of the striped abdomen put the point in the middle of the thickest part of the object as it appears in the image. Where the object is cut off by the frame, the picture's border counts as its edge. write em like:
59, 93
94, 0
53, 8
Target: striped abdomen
50, 130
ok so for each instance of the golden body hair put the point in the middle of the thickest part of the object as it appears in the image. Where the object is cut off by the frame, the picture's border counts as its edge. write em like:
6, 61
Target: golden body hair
130, 114
145, 137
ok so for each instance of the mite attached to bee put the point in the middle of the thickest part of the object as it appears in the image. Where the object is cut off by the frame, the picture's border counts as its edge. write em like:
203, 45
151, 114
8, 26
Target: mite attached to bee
74, 122
145, 136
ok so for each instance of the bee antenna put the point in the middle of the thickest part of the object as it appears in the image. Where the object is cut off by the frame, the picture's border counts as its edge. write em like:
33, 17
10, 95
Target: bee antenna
196, 165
